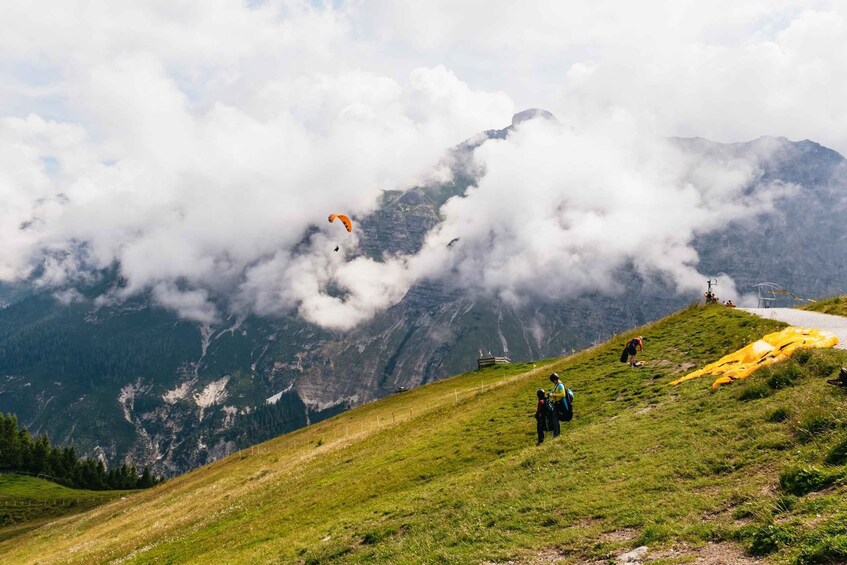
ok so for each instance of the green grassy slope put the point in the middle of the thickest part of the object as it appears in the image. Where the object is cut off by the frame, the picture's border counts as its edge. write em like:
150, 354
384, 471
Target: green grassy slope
450, 472
28, 502
836, 305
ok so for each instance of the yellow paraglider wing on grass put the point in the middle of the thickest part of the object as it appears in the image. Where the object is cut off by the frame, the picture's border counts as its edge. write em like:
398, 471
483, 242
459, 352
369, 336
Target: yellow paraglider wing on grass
343, 219
772, 348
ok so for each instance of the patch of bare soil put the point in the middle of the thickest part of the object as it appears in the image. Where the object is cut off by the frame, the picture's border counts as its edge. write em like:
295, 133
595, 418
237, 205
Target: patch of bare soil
625, 534
709, 554
676, 366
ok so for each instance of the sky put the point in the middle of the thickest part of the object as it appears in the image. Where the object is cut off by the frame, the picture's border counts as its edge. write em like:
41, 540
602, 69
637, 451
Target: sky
194, 143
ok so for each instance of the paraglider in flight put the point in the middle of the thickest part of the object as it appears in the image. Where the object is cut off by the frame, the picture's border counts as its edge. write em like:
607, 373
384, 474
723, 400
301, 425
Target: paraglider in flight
343, 219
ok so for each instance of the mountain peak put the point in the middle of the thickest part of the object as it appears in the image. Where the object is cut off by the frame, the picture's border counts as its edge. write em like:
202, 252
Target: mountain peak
531, 114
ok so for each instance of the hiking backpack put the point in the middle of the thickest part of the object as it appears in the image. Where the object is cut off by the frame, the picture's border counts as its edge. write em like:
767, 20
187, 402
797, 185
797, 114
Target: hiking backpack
564, 407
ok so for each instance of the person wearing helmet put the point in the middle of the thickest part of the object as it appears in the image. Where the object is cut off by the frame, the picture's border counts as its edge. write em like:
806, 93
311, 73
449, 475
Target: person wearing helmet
557, 393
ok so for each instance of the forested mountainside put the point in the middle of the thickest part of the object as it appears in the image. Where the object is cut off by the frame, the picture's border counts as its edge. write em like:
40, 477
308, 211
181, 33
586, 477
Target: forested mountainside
133, 380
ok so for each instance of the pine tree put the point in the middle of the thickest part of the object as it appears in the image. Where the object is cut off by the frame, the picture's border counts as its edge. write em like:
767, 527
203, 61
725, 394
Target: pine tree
20, 452
40, 452
146, 480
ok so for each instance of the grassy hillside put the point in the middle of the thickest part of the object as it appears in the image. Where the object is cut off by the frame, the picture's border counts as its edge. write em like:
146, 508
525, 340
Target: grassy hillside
450, 472
28, 502
836, 305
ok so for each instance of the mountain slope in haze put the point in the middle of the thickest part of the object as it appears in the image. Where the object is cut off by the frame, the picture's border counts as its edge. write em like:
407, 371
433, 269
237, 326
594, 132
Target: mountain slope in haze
450, 472
132, 381
29, 502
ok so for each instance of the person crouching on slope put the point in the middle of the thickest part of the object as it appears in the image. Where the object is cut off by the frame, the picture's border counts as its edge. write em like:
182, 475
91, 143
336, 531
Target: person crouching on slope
632, 348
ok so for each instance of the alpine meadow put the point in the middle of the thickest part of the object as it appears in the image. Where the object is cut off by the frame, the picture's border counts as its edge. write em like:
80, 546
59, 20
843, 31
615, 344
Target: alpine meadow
377, 281
449, 472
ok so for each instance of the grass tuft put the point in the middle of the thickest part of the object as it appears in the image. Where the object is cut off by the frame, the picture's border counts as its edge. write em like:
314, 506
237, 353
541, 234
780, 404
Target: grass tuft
828, 549
753, 389
771, 537
815, 423
800, 481
838, 454
783, 375
780, 414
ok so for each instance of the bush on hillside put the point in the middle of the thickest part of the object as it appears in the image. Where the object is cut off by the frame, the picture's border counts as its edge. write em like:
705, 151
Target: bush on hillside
783, 375
825, 549
802, 355
838, 454
814, 424
803, 480
754, 390
653, 534
770, 538
823, 363
780, 414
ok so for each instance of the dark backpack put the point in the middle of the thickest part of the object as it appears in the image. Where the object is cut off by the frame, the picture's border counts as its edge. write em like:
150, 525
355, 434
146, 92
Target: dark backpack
549, 416
564, 407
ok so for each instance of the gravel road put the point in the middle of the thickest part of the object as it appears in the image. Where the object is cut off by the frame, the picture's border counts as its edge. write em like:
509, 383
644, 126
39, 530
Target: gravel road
834, 324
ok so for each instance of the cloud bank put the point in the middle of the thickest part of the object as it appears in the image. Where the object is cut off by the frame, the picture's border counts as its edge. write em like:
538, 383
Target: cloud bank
196, 145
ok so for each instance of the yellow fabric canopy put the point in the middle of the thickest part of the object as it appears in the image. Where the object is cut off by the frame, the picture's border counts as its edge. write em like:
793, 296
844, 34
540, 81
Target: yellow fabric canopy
770, 349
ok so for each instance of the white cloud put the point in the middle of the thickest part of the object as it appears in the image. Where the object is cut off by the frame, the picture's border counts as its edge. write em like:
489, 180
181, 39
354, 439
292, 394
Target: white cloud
199, 143
196, 143
726, 70
564, 209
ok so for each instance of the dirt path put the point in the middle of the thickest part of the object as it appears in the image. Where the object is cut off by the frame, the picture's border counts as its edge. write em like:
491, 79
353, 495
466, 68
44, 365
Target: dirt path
834, 324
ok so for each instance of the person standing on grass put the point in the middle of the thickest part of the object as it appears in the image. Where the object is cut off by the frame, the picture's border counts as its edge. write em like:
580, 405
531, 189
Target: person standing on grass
542, 415
557, 394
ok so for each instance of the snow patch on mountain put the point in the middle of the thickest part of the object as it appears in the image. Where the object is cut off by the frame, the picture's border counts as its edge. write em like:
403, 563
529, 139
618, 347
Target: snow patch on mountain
206, 332
173, 396
232, 329
229, 415
319, 406
214, 393
275, 398
126, 398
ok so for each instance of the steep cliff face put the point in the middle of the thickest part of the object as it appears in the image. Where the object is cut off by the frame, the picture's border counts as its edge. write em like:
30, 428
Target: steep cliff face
131, 380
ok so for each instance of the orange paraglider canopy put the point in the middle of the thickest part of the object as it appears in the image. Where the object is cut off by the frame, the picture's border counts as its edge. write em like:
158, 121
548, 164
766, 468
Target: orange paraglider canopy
343, 219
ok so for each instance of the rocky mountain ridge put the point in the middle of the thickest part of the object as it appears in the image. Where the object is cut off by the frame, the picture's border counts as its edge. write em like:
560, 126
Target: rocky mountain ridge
133, 380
